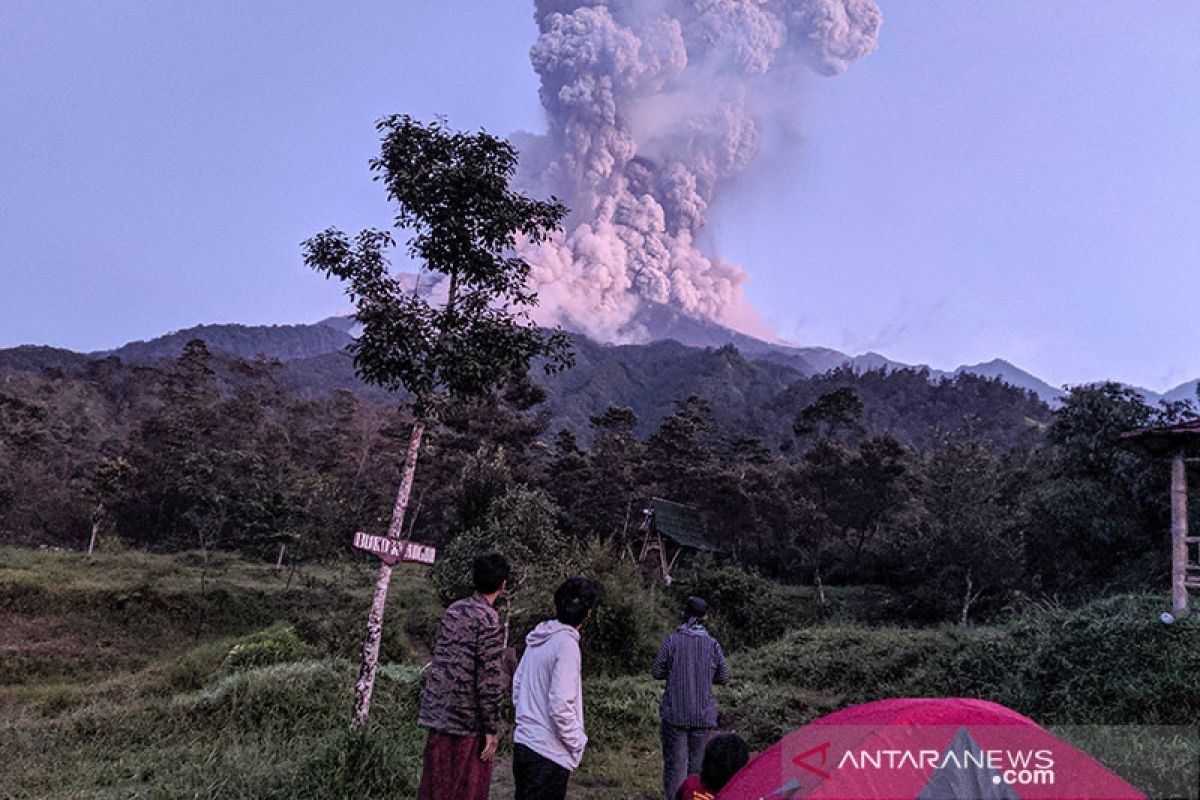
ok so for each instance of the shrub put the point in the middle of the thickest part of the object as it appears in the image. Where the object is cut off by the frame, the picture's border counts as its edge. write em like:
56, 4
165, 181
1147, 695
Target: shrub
860, 664
747, 610
630, 621
274, 645
1109, 662
376, 761
382, 759
522, 526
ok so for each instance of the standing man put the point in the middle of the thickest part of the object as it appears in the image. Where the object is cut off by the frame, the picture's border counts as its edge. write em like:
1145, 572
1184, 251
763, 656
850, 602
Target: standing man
548, 696
460, 702
691, 661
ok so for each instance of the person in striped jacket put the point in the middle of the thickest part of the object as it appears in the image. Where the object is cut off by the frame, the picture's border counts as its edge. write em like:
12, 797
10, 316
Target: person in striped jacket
690, 661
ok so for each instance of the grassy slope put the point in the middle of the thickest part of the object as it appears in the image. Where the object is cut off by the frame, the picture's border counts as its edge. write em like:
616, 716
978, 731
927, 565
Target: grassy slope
115, 681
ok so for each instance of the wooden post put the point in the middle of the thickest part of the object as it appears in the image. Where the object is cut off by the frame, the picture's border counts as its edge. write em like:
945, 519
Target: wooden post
671, 566
1179, 535
370, 652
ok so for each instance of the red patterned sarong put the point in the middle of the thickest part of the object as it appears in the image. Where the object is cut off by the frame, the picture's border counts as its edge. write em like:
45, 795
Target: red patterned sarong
452, 769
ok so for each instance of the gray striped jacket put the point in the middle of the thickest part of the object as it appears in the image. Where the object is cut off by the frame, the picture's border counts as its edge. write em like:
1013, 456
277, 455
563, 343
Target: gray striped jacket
691, 661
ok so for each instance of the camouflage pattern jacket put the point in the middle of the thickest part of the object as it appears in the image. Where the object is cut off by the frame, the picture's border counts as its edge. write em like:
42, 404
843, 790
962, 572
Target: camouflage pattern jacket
465, 683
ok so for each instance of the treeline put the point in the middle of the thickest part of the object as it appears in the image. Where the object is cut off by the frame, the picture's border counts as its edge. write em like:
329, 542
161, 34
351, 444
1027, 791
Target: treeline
959, 495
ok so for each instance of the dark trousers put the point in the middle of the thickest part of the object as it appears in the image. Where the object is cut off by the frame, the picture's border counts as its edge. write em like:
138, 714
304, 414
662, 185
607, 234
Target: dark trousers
683, 750
537, 777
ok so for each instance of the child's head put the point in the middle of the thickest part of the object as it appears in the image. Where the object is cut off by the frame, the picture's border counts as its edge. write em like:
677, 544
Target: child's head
725, 754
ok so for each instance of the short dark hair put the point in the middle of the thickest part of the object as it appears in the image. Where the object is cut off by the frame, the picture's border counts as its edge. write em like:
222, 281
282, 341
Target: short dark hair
724, 755
695, 607
574, 600
488, 572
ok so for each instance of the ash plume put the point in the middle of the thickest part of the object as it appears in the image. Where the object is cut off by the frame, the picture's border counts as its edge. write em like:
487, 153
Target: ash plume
653, 105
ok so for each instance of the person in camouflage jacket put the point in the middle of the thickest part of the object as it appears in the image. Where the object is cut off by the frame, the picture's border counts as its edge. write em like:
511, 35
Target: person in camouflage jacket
464, 686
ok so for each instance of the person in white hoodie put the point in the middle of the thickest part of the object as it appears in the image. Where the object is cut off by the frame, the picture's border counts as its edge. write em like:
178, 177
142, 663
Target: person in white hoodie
548, 697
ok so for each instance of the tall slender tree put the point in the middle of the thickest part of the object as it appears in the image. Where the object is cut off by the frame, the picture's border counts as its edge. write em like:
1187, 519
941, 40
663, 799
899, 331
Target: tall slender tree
473, 332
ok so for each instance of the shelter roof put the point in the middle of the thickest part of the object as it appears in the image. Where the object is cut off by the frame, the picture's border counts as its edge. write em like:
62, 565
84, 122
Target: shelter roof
1184, 436
681, 524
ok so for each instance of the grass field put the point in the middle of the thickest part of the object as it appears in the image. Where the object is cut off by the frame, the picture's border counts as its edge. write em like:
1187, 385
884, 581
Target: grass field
132, 675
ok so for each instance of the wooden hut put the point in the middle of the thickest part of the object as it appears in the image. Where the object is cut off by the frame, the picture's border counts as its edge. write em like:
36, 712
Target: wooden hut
1180, 443
669, 529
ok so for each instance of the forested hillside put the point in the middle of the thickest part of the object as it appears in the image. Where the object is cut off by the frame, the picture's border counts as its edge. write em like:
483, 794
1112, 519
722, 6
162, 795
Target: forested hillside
956, 494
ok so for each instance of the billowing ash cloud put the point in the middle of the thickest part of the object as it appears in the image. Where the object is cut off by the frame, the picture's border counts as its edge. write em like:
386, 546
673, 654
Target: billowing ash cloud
652, 106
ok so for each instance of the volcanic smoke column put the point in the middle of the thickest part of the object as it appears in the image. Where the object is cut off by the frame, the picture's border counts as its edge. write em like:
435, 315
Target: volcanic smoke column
652, 105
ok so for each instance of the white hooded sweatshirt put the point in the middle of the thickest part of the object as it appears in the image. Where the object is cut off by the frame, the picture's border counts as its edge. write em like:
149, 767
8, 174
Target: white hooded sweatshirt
548, 695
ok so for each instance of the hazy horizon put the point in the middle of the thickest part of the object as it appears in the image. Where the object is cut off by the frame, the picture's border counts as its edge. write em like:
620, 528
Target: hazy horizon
1009, 181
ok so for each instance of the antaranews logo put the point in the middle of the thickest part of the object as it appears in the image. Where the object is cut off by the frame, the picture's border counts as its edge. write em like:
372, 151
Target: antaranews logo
1014, 767
937, 763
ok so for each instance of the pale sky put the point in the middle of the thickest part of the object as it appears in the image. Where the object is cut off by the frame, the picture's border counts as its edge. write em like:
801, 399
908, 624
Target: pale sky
1014, 179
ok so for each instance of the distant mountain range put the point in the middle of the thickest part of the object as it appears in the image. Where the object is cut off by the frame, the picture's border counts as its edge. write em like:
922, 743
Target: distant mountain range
667, 323
314, 355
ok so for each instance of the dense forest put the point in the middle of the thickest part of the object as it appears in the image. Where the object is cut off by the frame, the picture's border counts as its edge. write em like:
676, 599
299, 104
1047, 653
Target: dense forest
958, 495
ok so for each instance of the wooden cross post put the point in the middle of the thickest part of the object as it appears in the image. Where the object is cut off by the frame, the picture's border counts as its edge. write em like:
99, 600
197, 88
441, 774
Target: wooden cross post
391, 549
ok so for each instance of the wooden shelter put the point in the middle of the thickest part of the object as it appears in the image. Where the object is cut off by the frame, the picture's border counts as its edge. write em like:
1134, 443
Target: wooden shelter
1180, 443
668, 529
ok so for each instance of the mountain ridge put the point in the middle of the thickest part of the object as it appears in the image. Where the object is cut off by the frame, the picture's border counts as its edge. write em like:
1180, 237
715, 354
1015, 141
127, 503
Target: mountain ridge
315, 341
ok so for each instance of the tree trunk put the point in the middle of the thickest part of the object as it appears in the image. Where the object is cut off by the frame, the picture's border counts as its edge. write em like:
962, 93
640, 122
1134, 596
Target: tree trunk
95, 533
279, 561
969, 599
370, 652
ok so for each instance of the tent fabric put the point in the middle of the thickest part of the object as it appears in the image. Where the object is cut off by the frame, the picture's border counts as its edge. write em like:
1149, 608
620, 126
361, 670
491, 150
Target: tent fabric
951, 783
925, 749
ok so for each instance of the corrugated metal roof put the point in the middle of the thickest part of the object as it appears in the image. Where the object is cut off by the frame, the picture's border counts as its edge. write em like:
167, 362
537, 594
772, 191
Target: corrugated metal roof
681, 524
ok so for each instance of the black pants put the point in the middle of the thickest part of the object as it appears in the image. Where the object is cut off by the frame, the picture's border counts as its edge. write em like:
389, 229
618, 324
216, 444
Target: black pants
537, 777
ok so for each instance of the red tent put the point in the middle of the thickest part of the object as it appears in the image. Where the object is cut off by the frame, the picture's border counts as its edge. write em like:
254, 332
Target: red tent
925, 749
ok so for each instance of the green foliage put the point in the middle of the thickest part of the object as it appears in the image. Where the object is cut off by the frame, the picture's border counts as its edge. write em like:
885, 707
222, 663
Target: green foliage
859, 664
274, 645
1111, 661
521, 525
765, 711
956, 494
451, 192
1097, 507
172, 719
746, 609
619, 706
837, 413
964, 550
374, 761
632, 618
178, 723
